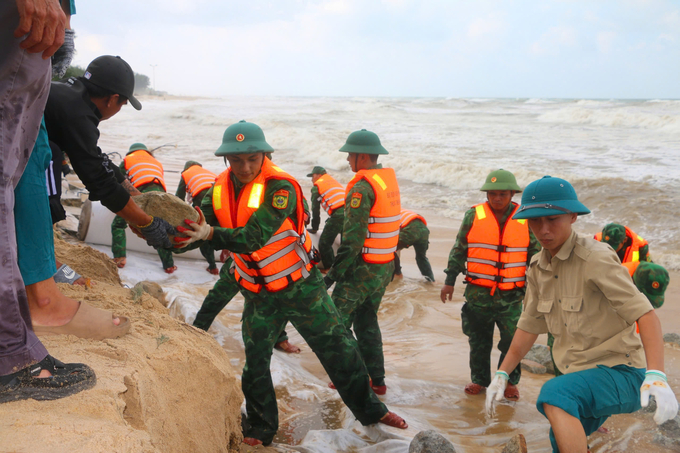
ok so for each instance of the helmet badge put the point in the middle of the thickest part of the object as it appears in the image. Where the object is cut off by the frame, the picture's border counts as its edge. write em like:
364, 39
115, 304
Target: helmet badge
240, 137
493, 179
655, 285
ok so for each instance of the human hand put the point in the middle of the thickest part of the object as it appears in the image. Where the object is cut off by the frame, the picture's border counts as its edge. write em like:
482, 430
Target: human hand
156, 233
44, 22
198, 232
61, 59
656, 385
447, 292
495, 392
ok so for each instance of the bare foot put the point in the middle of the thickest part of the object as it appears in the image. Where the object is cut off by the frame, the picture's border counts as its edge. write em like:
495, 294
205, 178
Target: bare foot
49, 307
288, 347
120, 261
213, 270
170, 270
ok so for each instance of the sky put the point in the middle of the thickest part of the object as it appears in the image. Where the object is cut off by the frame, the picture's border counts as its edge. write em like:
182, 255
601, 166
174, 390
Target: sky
599, 49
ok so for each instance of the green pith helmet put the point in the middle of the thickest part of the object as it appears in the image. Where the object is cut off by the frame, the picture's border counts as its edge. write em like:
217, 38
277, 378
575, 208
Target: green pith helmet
549, 196
363, 142
243, 138
652, 281
317, 171
500, 180
137, 147
613, 234
189, 164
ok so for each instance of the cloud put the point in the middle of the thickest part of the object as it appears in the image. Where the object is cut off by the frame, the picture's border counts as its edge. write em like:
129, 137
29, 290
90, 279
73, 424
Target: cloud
605, 40
481, 27
555, 39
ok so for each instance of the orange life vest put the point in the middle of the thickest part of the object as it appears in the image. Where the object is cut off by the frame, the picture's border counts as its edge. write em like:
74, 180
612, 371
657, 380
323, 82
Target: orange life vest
633, 251
285, 258
631, 266
331, 193
198, 179
385, 215
497, 258
409, 216
142, 168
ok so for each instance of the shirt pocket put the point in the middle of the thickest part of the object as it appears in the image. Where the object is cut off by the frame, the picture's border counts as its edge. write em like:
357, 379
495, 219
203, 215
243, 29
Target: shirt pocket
575, 317
544, 307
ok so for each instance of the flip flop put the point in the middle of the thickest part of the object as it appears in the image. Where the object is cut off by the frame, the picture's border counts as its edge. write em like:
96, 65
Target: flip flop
88, 322
252, 441
392, 419
474, 389
511, 392
67, 379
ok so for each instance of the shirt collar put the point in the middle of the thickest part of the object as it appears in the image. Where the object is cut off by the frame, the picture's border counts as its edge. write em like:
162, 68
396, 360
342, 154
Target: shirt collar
375, 167
545, 258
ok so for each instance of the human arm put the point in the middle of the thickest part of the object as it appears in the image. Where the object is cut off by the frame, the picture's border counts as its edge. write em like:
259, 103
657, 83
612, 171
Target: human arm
644, 253
181, 189
316, 209
457, 256
44, 22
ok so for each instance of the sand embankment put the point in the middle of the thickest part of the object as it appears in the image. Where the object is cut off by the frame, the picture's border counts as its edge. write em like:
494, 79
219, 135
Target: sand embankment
164, 387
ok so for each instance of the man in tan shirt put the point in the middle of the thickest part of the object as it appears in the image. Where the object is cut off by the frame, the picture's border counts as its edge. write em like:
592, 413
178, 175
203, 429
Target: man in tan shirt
578, 291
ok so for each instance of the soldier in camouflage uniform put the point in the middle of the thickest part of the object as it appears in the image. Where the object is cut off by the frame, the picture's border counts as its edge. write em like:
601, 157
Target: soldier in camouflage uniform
415, 234
361, 284
486, 306
304, 302
118, 226
333, 226
206, 249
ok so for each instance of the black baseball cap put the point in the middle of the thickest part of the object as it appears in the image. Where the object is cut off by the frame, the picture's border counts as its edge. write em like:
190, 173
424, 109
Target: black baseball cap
113, 74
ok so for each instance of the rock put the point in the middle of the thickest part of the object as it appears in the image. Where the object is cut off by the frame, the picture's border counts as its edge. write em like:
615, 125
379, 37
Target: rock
430, 441
651, 407
151, 288
671, 428
539, 353
533, 367
673, 338
166, 206
517, 444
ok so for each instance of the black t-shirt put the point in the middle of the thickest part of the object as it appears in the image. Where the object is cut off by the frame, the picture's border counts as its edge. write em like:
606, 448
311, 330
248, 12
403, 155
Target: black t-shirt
72, 122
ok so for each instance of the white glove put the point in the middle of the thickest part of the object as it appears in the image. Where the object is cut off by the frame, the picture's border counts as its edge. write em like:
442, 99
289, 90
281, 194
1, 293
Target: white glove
199, 231
656, 384
496, 391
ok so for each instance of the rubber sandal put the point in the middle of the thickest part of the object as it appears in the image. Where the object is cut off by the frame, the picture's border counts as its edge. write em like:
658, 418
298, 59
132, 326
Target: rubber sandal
287, 347
474, 389
67, 379
511, 392
252, 441
88, 322
392, 419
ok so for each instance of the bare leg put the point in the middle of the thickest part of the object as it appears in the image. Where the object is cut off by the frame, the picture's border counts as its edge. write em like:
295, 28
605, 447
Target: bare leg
568, 431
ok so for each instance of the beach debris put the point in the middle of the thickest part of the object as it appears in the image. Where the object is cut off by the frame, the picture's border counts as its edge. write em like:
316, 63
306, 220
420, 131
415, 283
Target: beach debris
518, 444
533, 367
151, 288
539, 354
430, 441
672, 338
166, 206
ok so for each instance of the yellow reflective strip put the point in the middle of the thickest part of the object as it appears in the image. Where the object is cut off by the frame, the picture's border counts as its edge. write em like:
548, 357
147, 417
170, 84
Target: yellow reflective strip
276, 168
636, 256
522, 221
481, 214
379, 180
255, 195
640, 238
217, 196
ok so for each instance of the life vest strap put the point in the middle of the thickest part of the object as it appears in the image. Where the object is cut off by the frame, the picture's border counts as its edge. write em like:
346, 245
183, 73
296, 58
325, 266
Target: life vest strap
374, 251
391, 234
333, 189
494, 278
498, 248
394, 218
282, 235
495, 264
260, 280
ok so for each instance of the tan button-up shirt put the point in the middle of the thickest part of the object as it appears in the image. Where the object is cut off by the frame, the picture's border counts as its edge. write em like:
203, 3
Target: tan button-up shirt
587, 300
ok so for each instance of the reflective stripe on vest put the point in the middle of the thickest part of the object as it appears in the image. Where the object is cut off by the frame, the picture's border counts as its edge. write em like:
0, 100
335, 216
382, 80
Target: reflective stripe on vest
198, 179
142, 168
632, 253
285, 258
384, 219
331, 193
409, 216
497, 258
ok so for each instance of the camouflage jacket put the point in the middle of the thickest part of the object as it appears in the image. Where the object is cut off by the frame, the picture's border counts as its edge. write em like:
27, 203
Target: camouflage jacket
316, 208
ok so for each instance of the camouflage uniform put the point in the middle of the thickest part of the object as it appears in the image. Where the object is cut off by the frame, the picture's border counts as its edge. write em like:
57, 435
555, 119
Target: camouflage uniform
118, 239
360, 285
482, 310
417, 235
306, 304
206, 249
331, 229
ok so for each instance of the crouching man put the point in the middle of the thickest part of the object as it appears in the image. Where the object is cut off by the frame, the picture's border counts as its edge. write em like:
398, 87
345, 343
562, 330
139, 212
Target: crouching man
578, 291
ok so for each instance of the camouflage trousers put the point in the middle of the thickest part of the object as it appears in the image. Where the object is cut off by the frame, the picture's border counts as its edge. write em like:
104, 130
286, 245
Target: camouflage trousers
222, 293
119, 241
309, 308
331, 229
551, 341
478, 324
358, 304
206, 248
417, 235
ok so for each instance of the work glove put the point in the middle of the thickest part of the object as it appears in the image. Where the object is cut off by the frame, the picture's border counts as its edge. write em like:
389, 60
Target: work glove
495, 392
156, 233
328, 281
198, 232
656, 385
61, 60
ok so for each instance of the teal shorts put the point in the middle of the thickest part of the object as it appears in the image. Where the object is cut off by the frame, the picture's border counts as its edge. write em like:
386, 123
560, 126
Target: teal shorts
593, 395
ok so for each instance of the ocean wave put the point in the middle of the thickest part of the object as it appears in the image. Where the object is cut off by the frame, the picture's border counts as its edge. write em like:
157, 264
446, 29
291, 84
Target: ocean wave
619, 117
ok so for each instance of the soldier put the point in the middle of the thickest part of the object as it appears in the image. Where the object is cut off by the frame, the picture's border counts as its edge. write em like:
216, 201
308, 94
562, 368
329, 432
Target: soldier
364, 264
493, 251
628, 246
413, 232
330, 194
260, 211
578, 291
146, 175
194, 183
